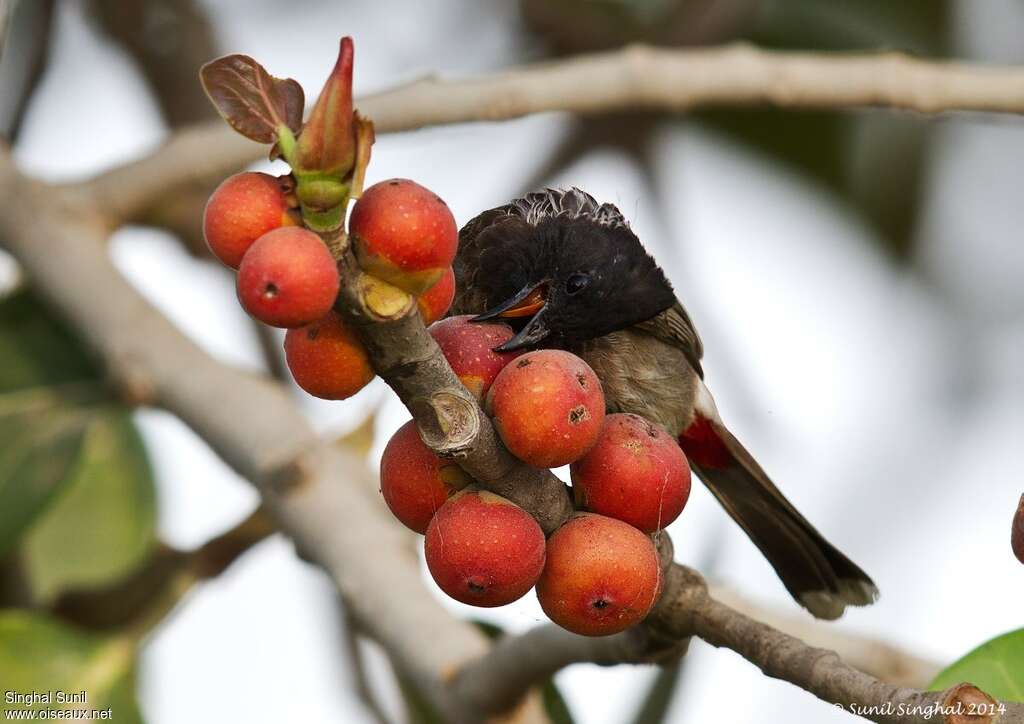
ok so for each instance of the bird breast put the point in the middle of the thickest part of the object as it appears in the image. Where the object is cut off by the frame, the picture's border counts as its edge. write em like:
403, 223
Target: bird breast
645, 376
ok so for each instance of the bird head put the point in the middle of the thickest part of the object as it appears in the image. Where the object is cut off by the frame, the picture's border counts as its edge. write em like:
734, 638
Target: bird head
566, 279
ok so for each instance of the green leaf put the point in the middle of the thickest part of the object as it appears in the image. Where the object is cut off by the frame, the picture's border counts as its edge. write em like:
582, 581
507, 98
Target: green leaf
38, 654
103, 524
44, 375
878, 160
252, 101
65, 443
418, 710
995, 667
555, 705
40, 448
37, 349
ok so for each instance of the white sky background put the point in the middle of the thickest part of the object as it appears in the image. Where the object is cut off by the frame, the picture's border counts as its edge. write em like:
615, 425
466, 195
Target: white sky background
891, 417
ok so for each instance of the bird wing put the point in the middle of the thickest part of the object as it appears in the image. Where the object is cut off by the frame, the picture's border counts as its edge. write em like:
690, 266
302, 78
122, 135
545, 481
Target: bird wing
673, 326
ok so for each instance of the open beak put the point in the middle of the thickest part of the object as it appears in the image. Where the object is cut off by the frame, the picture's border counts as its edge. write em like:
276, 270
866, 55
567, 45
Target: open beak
528, 302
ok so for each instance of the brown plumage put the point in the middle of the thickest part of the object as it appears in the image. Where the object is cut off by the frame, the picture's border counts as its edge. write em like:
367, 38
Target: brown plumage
606, 300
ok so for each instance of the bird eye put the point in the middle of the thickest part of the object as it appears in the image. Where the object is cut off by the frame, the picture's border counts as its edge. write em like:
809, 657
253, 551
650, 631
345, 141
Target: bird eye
576, 282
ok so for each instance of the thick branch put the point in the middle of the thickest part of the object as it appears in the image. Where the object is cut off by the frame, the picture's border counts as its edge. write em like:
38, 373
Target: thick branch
448, 416
627, 79
168, 573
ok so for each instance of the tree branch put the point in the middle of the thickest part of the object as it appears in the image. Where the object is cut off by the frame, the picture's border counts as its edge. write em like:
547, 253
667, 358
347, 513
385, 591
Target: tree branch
449, 418
169, 573
865, 653
169, 40
689, 610
627, 79
498, 680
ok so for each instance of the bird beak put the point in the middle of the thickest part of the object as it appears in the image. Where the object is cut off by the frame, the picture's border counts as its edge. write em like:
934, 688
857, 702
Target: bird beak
534, 331
530, 301
527, 302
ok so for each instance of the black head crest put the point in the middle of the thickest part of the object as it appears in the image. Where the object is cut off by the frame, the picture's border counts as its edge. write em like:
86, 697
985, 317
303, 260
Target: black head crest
578, 256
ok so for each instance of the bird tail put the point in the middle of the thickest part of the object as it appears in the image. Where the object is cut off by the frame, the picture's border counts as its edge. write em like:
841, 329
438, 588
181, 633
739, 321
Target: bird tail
816, 573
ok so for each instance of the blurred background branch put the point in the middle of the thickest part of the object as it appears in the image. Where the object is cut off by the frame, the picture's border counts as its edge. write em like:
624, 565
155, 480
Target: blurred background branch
636, 77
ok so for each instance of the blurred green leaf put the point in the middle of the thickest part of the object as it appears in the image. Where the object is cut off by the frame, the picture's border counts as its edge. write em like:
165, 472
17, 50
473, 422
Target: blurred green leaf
37, 350
418, 710
995, 667
811, 142
74, 477
38, 654
875, 159
103, 524
913, 26
40, 448
555, 705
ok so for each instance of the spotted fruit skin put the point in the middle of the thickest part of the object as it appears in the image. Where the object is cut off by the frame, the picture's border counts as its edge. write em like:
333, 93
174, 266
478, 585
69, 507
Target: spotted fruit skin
548, 407
469, 349
242, 209
414, 481
326, 358
601, 576
288, 278
636, 472
404, 234
484, 550
437, 300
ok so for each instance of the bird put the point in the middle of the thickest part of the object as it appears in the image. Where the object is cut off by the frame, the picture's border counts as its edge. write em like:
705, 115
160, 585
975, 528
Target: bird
567, 272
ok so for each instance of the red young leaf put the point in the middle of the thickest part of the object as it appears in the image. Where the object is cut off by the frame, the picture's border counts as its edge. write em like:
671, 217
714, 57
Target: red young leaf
328, 140
252, 101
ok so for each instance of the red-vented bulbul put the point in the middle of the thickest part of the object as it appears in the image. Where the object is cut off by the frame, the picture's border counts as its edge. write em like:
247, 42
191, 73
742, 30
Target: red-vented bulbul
568, 272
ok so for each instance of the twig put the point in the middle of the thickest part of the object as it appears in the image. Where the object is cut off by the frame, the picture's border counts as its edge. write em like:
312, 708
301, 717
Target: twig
169, 40
627, 79
499, 678
270, 349
25, 32
360, 680
167, 577
865, 653
689, 610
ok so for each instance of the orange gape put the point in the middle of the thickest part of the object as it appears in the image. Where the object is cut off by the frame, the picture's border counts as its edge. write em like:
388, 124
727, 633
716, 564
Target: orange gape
530, 305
